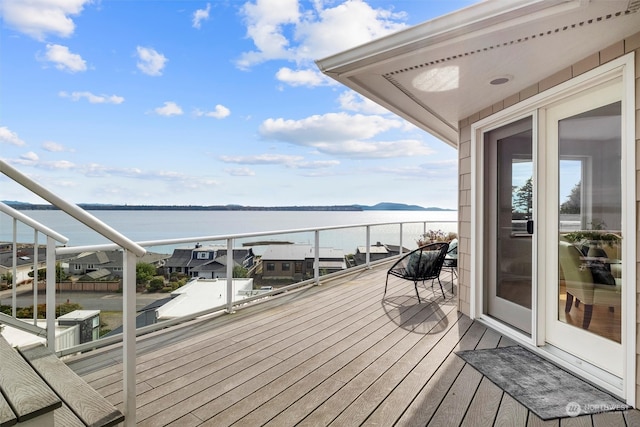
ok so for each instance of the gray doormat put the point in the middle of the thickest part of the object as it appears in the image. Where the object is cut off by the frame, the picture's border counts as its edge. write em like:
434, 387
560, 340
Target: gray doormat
545, 389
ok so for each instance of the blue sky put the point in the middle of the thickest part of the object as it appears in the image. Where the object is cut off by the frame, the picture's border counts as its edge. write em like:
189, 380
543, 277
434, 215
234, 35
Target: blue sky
207, 103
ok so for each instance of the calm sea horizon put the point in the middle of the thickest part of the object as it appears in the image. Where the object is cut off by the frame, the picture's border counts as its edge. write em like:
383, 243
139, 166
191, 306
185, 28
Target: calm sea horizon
159, 225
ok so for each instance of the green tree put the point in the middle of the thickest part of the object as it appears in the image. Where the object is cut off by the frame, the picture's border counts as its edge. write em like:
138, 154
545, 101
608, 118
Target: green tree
240, 272
60, 274
523, 198
8, 277
572, 204
144, 273
155, 284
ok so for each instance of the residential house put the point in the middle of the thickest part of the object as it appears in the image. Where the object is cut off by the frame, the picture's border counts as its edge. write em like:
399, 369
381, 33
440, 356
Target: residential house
296, 262
25, 260
376, 252
104, 264
208, 262
542, 101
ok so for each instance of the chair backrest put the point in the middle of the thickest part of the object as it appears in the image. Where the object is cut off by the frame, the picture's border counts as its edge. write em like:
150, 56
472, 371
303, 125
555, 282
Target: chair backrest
426, 262
577, 276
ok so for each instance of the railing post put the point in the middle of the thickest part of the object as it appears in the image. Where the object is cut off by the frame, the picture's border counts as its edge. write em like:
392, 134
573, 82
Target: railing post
50, 296
129, 336
316, 260
400, 250
229, 276
35, 278
14, 271
368, 243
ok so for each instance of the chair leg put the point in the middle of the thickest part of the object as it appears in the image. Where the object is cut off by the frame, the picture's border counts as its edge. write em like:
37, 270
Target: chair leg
441, 288
567, 306
588, 311
386, 282
415, 284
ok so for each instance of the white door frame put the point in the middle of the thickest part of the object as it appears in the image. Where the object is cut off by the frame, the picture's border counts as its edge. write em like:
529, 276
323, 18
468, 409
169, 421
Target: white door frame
623, 66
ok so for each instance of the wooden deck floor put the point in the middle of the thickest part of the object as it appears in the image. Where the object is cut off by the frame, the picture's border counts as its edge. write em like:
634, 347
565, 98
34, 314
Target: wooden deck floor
337, 354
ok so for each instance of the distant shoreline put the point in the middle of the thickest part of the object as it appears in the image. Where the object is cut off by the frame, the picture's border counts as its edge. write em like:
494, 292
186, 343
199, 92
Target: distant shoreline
338, 208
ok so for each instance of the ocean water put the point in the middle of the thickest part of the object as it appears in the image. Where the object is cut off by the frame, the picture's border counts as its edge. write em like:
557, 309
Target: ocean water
158, 225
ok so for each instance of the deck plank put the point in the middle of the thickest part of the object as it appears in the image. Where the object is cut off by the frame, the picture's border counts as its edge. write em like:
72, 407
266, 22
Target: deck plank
333, 362
212, 398
484, 406
336, 354
511, 413
366, 367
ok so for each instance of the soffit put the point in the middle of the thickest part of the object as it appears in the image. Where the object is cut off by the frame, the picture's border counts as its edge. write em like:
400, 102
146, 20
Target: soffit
437, 80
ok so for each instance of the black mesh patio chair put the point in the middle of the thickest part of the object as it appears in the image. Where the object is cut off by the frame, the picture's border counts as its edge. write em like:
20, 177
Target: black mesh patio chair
451, 260
420, 265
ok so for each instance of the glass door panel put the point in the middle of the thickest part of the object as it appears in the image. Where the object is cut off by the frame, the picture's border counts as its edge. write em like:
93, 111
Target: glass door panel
508, 264
590, 276
584, 290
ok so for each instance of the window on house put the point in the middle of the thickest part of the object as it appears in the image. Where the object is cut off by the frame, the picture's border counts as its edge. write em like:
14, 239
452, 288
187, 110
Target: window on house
203, 255
286, 266
271, 266
298, 266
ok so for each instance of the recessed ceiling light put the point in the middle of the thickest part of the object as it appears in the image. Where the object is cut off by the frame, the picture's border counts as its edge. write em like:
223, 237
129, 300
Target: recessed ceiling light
500, 80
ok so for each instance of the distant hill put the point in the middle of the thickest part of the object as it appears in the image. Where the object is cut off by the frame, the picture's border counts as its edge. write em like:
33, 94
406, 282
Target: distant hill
385, 206
388, 206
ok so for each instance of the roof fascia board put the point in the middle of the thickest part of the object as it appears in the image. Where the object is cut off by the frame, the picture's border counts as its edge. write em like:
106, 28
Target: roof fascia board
463, 24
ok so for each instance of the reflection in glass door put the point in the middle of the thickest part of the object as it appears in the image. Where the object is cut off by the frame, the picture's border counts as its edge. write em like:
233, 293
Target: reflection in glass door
584, 306
509, 224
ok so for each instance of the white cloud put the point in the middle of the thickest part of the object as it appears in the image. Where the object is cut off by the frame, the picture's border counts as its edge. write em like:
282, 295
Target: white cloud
240, 172
54, 147
29, 157
150, 62
56, 165
306, 77
220, 112
352, 101
346, 25
263, 159
318, 164
289, 161
38, 18
63, 58
201, 15
375, 149
343, 134
169, 109
9, 137
282, 30
327, 127
92, 98
266, 21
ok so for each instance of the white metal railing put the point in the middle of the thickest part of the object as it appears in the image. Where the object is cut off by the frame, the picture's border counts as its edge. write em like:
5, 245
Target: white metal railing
131, 252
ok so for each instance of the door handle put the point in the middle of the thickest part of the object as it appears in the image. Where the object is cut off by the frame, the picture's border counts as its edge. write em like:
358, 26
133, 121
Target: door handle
530, 226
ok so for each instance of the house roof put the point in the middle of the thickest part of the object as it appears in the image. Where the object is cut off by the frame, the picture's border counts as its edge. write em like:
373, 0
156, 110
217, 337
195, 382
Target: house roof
440, 72
201, 294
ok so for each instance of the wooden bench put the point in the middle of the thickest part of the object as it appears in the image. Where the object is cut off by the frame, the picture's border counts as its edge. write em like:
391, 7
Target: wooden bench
42, 390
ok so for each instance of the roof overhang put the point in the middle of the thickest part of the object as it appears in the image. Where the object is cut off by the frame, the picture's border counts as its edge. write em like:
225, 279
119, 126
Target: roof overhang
445, 70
